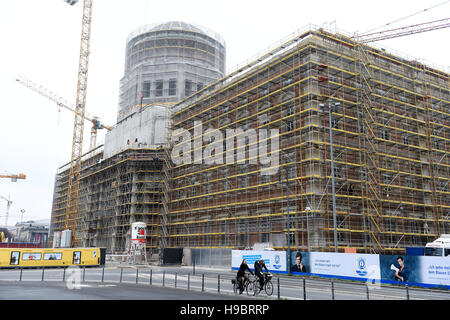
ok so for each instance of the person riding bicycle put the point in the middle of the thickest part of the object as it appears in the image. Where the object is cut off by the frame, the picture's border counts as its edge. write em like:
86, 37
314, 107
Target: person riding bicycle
259, 266
241, 276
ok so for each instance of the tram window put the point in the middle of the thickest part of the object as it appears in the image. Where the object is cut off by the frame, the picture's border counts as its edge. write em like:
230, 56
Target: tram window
31, 256
52, 256
77, 257
447, 252
15, 255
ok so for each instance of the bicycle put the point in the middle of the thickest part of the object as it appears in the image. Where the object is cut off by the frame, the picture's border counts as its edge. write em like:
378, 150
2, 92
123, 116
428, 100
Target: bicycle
247, 285
267, 285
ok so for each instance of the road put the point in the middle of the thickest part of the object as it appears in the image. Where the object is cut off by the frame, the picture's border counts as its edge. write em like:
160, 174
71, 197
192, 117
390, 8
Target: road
56, 290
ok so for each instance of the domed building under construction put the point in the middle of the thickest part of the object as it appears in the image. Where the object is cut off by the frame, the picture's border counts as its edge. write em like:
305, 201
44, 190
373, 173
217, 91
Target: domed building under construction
359, 155
121, 180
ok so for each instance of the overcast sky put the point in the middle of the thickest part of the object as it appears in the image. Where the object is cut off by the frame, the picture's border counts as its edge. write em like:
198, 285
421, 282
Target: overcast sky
40, 40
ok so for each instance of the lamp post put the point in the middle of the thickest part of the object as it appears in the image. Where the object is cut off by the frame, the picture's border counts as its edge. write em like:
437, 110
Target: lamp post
288, 222
332, 176
288, 219
307, 210
22, 211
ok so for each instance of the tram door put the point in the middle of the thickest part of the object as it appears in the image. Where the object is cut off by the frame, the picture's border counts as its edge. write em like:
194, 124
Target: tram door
76, 257
15, 256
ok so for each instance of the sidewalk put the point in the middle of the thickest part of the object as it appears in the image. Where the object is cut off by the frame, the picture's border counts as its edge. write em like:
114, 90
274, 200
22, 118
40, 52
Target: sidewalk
198, 269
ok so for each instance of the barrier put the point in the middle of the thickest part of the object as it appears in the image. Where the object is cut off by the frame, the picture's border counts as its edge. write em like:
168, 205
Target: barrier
420, 271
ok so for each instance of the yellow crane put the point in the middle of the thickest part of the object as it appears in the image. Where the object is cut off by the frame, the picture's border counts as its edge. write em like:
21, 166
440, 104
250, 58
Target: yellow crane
14, 177
61, 102
404, 31
78, 127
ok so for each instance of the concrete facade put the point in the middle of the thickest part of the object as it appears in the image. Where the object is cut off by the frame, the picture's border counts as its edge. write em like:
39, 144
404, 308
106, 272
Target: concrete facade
146, 128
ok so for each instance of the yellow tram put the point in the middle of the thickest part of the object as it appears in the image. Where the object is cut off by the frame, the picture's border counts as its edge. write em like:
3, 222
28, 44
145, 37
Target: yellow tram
51, 257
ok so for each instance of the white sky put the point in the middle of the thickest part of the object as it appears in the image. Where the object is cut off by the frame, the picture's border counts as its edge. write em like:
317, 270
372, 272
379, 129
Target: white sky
40, 40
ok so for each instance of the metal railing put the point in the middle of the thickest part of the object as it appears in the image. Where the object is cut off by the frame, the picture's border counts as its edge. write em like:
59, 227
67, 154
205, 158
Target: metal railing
286, 288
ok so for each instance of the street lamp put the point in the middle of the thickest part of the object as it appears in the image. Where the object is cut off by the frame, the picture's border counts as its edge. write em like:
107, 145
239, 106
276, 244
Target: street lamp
288, 221
332, 177
22, 211
288, 218
307, 210
330, 120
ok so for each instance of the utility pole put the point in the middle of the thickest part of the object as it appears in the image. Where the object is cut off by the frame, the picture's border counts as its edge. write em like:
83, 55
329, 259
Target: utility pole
288, 222
332, 177
307, 210
22, 211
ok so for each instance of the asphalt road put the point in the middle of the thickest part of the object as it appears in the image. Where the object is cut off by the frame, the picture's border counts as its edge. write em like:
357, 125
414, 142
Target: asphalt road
55, 290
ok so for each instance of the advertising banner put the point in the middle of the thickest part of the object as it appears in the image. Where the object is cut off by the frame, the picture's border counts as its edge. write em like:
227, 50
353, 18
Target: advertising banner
435, 270
275, 260
415, 270
424, 271
343, 265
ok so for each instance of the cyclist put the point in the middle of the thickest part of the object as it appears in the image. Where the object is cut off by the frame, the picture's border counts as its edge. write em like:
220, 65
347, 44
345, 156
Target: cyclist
241, 276
259, 266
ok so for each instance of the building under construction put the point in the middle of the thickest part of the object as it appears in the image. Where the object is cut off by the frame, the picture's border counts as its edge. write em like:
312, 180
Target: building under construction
114, 193
368, 126
120, 180
363, 144
165, 62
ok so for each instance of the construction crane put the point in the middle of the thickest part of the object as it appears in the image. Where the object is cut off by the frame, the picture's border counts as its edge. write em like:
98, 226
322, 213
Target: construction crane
61, 102
403, 31
14, 177
8, 205
78, 128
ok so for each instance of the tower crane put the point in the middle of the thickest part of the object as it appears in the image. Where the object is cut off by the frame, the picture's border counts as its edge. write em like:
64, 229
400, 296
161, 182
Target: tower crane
8, 205
78, 127
61, 102
14, 177
403, 31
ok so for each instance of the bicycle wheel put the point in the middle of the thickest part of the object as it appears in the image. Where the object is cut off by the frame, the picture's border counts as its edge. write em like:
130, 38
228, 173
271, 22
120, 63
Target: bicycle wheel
256, 288
269, 288
249, 288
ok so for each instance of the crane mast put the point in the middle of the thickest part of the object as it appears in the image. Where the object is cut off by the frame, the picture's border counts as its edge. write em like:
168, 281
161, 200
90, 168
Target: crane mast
80, 108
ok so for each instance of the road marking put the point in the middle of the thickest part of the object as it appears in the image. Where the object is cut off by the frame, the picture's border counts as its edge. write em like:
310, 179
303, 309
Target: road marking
107, 285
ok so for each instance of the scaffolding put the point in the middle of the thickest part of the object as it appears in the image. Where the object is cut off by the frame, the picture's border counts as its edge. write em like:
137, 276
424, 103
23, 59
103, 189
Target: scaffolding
167, 62
390, 130
388, 118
